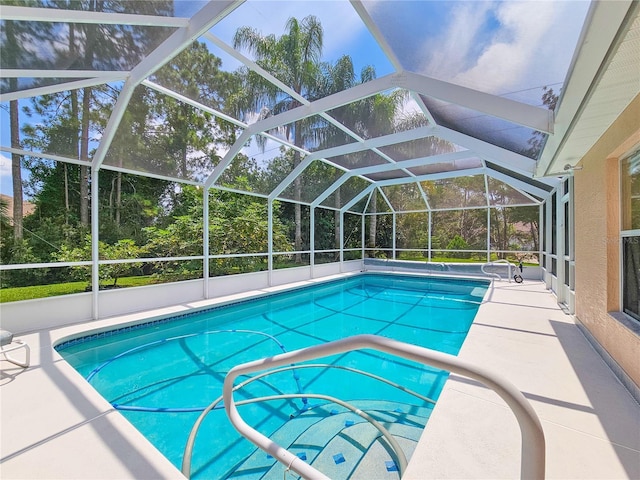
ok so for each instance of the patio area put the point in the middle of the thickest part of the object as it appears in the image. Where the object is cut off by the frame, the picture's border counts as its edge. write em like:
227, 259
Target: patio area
54, 425
157, 157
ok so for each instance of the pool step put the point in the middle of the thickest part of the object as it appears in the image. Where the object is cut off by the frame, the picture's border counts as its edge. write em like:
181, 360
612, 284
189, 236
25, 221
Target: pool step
358, 452
339, 442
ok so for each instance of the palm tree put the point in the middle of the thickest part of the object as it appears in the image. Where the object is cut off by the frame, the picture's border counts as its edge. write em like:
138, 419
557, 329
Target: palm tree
370, 117
293, 58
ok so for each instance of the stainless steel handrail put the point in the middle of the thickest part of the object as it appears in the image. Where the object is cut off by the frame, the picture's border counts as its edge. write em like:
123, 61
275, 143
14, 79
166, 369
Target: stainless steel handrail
501, 261
188, 449
532, 464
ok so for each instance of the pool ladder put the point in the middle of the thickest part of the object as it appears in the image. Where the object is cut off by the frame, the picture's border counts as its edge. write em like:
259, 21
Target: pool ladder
532, 465
499, 262
401, 460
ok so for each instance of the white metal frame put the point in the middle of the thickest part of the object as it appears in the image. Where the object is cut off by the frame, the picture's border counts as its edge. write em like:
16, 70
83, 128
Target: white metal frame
417, 85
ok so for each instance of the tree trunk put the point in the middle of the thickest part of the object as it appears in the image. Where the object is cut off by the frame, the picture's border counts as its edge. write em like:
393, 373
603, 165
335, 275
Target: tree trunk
65, 172
184, 131
84, 155
336, 231
118, 197
10, 57
373, 206
495, 229
505, 241
111, 200
87, 60
297, 196
16, 172
75, 113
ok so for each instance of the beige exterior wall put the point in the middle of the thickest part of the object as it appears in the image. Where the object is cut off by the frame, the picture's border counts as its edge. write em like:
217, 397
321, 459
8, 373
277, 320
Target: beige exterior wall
597, 241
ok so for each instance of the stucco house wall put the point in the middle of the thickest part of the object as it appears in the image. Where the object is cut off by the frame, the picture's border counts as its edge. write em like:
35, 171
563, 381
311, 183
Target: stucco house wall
597, 244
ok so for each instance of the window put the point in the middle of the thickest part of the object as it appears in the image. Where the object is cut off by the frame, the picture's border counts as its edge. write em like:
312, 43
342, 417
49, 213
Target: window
630, 180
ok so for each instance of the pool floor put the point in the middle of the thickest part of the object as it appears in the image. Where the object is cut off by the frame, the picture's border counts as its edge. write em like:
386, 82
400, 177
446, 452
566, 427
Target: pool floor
161, 376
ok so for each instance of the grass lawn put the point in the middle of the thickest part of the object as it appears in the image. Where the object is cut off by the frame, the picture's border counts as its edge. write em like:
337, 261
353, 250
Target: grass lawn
416, 257
41, 291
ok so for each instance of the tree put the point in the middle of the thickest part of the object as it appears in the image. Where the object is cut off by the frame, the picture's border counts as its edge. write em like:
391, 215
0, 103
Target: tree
188, 136
457, 243
56, 188
537, 140
528, 216
102, 46
13, 56
370, 117
244, 215
16, 172
293, 58
122, 249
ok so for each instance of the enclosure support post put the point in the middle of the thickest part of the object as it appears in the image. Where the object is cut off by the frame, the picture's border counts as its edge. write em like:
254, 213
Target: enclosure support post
362, 237
541, 240
429, 245
95, 251
341, 240
205, 241
312, 239
549, 249
488, 234
270, 241
393, 243
559, 246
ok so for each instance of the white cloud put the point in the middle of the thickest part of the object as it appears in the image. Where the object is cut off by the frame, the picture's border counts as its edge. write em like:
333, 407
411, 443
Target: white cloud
531, 47
5, 165
6, 186
448, 54
505, 64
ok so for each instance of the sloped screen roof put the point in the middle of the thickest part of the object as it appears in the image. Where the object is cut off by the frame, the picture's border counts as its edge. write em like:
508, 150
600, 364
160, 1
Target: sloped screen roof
294, 100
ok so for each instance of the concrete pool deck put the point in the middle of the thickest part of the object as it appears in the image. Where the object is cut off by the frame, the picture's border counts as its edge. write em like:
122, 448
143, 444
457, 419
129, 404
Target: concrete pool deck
54, 426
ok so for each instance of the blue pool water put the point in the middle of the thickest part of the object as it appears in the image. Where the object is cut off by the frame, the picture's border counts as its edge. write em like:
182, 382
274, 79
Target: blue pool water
162, 374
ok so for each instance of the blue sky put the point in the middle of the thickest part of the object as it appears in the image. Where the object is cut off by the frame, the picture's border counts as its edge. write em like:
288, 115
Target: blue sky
5, 158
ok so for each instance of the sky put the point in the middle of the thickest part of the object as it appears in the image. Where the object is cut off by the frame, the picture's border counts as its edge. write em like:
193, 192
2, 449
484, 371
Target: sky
494, 47
509, 48
5, 174
344, 32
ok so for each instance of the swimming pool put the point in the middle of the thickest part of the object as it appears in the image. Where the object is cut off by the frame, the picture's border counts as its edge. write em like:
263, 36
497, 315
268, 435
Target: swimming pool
163, 373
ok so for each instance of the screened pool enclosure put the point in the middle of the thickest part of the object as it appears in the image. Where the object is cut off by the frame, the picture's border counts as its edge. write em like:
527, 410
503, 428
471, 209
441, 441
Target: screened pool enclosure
156, 142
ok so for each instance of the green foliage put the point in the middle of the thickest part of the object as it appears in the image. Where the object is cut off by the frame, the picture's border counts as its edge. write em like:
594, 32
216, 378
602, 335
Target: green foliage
514, 228
6, 230
181, 238
458, 243
123, 249
471, 225
20, 252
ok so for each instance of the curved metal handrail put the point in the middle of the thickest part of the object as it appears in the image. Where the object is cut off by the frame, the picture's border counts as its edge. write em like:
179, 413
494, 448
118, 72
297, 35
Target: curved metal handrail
442, 264
501, 261
532, 464
188, 449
